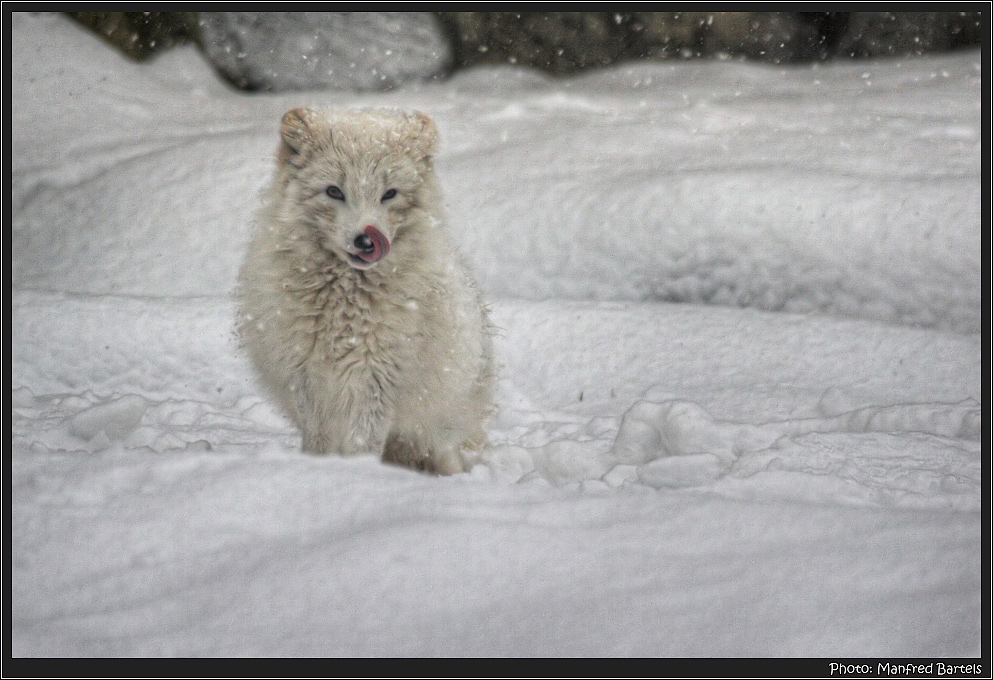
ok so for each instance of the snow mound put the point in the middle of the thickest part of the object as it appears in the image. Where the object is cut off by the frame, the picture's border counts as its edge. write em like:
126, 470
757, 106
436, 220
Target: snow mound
803, 190
912, 455
662, 479
115, 418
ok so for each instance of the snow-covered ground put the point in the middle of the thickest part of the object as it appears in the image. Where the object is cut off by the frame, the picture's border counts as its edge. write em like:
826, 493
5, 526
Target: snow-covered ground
740, 383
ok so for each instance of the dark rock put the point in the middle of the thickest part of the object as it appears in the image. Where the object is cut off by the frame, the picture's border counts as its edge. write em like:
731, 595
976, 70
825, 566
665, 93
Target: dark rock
777, 37
564, 42
379, 50
768, 36
559, 42
139, 35
904, 34
311, 50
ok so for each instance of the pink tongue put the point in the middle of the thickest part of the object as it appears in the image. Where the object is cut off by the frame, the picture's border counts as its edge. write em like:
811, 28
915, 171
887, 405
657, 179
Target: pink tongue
381, 243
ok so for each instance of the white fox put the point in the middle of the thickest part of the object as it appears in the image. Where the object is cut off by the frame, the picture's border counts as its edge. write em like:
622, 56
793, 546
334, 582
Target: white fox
355, 305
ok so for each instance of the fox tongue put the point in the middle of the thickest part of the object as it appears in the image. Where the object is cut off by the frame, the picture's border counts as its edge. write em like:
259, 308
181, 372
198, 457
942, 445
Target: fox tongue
379, 241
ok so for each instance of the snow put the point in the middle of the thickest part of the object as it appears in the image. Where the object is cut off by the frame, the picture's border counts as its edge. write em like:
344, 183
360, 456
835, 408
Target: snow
739, 409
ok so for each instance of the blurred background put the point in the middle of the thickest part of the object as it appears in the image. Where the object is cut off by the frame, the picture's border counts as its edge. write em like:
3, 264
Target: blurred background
277, 51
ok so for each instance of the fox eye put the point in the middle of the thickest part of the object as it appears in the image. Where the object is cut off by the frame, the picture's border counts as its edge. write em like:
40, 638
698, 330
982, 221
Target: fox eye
389, 194
336, 193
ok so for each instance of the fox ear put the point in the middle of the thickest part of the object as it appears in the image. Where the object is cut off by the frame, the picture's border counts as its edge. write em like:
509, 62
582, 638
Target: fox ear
424, 134
296, 132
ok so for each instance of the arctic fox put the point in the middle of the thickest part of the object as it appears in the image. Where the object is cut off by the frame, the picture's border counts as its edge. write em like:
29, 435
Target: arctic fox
355, 306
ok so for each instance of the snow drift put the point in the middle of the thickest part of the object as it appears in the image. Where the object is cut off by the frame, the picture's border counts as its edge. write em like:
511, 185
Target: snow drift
793, 468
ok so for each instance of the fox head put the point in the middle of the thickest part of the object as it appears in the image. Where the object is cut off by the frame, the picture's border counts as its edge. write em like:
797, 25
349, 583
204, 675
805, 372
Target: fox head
356, 181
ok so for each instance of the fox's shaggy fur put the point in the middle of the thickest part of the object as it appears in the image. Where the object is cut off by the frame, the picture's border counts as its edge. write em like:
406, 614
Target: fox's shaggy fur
365, 353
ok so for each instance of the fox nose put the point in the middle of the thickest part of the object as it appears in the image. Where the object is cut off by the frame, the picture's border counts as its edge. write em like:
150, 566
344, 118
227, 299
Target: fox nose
364, 244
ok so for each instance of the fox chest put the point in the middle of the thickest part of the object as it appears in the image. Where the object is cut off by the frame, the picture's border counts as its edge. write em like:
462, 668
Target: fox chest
364, 345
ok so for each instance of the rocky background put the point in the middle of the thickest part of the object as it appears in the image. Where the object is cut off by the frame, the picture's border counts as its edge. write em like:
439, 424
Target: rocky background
378, 50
